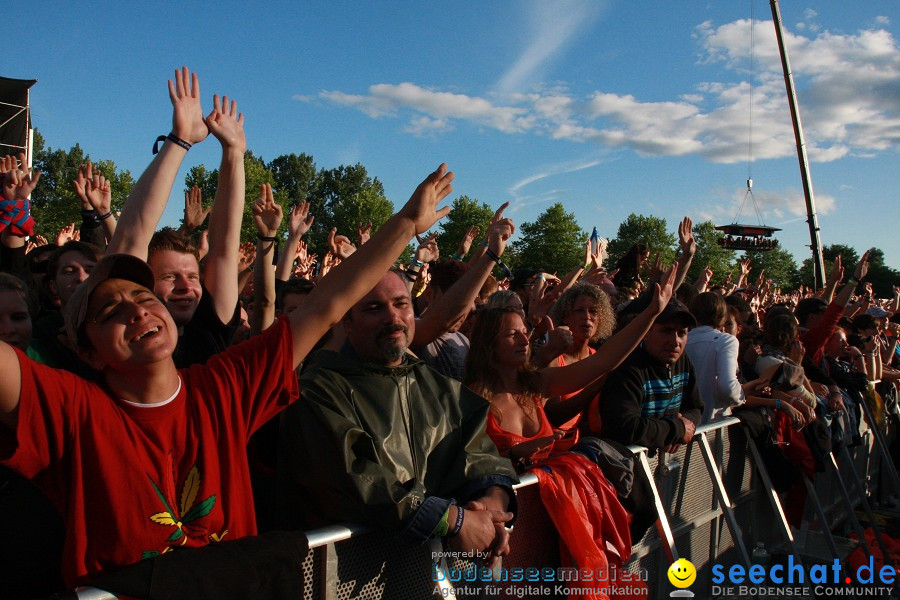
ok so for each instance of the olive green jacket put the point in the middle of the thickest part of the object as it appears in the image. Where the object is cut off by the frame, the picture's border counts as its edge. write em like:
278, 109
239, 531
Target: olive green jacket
388, 447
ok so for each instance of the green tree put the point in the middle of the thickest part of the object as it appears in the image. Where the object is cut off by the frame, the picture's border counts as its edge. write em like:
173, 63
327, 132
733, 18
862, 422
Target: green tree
641, 229
881, 276
344, 198
849, 258
54, 203
554, 241
465, 213
710, 254
294, 176
779, 264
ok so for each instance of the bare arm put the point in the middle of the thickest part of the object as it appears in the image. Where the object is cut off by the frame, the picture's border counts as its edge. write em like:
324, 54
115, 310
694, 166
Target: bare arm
688, 249
267, 216
228, 209
556, 381
353, 278
834, 278
148, 198
862, 267
456, 302
299, 223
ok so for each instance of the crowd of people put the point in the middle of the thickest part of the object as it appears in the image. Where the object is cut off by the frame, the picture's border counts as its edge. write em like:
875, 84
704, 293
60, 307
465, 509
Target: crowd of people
172, 398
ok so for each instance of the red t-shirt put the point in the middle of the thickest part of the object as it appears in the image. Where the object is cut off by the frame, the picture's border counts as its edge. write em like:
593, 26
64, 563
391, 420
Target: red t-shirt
135, 481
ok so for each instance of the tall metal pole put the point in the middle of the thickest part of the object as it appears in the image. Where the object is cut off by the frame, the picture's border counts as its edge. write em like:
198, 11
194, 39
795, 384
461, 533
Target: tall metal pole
812, 220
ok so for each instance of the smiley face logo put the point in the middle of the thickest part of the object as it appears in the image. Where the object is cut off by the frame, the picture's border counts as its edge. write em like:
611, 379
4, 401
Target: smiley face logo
682, 573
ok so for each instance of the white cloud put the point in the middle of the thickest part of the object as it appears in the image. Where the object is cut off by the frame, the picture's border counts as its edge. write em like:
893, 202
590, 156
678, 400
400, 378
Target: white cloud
552, 27
882, 20
421, 126
848, 86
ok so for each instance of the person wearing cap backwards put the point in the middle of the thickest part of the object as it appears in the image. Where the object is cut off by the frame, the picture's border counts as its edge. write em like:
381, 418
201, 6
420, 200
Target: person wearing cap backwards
152, 458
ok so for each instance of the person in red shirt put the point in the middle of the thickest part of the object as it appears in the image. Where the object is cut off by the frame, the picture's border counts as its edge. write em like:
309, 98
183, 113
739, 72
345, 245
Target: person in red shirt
153, 458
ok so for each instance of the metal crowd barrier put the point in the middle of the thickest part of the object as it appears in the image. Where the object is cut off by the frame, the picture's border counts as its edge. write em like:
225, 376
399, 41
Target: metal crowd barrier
714, 498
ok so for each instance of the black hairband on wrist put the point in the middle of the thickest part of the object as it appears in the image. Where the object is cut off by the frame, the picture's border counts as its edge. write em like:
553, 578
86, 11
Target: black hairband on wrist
172, 138
106, 216
493, 256
273, 239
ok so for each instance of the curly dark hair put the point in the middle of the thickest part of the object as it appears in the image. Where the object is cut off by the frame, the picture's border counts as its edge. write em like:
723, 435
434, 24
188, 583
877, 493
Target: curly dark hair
606, 321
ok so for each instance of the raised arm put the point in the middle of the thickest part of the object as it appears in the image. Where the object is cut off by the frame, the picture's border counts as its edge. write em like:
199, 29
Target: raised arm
862, 267
353, 278
99, 194
299, 223
221, 275
148, 198
267, 216
834, 278
688, 249
556, 381
456, 302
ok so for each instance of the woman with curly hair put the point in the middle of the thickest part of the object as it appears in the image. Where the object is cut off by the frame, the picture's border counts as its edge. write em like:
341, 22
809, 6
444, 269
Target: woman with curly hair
586, 311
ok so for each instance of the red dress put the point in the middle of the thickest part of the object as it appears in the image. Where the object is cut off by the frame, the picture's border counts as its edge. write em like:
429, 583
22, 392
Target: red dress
581, 503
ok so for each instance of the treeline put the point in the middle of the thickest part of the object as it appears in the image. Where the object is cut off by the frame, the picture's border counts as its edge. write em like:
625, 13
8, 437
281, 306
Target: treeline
347, 196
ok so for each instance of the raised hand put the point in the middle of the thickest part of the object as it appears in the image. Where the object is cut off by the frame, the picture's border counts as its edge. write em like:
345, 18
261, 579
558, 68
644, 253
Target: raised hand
300, 220
837, 271
421, 209
499, 231
862, 267
467, 240
662, 291
657, 269
266, 212
80, 184
66, 234
227, 124
427, 251
203, 245
99, 193
340, 245
364, 232
686, 237
745, 267
187, 114
194, 213
559, 339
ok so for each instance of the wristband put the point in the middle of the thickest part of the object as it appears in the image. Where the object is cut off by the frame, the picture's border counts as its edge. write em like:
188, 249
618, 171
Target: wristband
777, 403
172, 138
272, 239
443, 525
106, 216
416, 263
853, 281
456, 257
460, 515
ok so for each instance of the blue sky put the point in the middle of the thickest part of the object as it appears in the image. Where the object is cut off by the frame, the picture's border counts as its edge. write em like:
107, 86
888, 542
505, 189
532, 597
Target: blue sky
609, 107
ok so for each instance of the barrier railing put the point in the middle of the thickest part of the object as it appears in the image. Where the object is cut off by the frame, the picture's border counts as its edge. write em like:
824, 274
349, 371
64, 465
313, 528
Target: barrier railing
714, 498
